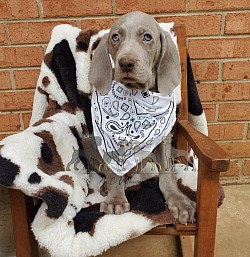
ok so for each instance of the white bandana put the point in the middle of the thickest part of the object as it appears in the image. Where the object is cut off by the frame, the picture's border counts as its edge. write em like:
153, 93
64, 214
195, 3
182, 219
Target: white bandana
129, 123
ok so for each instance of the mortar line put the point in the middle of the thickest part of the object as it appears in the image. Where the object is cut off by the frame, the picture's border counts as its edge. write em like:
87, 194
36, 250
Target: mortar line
114, 7
218, 11
7, 33
9, 132
227, 122
239, 59
187, 5
40, 8
228, 181
226, 102
245, 130
218, 36
78, 23
241, 167
21, 121
217, 109
16, 111
223, 21
220, 71
234, 141
24, 45
20, 68
17, 90
201, 81
12, 79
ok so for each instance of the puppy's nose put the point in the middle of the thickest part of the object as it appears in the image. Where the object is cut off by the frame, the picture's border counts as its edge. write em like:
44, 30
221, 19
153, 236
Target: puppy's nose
126, 64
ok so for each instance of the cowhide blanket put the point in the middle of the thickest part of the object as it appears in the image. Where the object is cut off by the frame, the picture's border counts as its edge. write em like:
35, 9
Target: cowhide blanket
47, 160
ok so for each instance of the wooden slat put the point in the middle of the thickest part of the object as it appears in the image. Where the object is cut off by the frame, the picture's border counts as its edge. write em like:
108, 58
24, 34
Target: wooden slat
171, 230
22, 209
181, 142
187, 248
189, 227
207, 151
207, 202
181, 40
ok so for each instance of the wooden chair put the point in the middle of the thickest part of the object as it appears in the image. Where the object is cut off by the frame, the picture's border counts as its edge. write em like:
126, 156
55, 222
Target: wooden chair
212, 161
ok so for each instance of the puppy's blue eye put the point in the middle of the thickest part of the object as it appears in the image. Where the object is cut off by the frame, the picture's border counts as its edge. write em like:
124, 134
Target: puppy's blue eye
115, 37
147, 37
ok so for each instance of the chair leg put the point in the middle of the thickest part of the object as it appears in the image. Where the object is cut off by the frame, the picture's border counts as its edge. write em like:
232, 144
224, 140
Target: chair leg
187, 249
207, 204
22, 210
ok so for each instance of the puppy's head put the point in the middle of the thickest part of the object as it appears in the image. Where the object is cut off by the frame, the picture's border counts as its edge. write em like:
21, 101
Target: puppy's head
144, 56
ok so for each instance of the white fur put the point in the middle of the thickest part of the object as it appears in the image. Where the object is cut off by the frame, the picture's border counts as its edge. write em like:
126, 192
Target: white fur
199, 122
58, 235
187, 174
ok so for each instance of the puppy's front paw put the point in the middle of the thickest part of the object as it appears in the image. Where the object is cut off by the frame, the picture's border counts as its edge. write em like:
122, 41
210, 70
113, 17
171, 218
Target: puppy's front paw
181, 207
115, 205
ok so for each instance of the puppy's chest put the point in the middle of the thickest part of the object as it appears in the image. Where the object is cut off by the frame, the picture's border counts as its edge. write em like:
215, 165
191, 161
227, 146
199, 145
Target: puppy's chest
91, 153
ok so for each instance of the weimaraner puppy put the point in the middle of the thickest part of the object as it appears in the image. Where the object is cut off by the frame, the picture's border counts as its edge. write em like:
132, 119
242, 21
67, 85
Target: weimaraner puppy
144, 58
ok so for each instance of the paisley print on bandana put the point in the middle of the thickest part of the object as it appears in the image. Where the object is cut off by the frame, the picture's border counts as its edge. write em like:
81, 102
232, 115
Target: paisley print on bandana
129, 123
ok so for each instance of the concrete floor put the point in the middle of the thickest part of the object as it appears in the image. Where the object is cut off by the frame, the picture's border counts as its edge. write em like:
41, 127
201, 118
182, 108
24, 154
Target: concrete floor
233, 226
232, 238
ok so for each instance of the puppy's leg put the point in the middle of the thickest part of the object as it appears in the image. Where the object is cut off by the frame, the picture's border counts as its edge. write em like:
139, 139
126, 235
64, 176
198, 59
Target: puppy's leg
116, 201
180, 205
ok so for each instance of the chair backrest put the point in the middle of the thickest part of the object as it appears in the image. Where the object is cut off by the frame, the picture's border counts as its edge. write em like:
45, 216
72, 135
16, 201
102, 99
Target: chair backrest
183, 115
181, 39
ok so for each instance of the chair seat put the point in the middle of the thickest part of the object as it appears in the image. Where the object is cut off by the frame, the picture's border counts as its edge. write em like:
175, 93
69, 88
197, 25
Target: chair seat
175, 230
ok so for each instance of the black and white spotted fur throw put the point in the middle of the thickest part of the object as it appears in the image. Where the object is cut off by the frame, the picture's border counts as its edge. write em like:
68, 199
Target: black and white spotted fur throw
48, 159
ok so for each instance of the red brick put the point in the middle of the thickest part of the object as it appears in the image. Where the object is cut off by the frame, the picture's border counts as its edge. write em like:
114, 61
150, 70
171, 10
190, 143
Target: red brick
76, 8
210, 92
248, 131
234, 111
202, 5
16, 100
149, 6
219, 48
16, 9
197, 25
97, 23
234, 169
236, 70
5, 82
236, 149
210, 111
26, 78
205, 70
237, 23
232, 131
9, 122
3, 38
26, 119
33, 32
21, 56
246, 168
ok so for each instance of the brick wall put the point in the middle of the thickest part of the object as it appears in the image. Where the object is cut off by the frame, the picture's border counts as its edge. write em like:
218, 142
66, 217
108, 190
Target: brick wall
218, 41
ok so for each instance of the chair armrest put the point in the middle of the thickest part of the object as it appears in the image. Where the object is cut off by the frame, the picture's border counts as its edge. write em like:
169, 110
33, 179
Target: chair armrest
207, 151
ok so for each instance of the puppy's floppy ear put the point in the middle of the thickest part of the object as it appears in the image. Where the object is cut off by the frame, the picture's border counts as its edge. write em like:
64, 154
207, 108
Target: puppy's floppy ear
100, 74
168, 70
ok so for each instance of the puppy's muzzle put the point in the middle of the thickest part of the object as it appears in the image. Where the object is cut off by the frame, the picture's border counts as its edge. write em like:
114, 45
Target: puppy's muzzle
126, 64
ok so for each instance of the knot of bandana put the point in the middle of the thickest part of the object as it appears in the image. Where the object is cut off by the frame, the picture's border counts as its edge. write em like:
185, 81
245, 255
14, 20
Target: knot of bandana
129, 123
